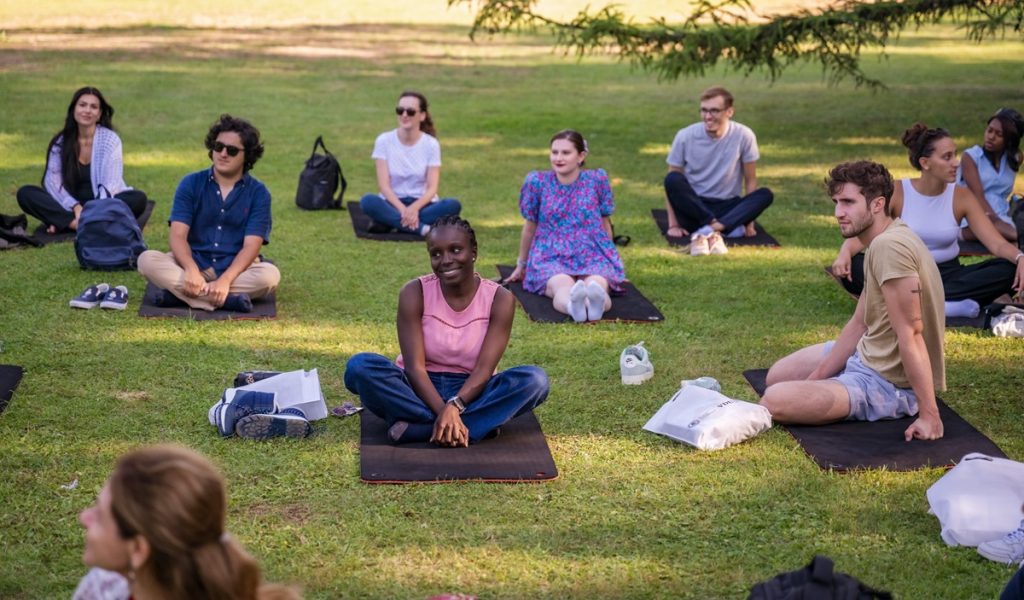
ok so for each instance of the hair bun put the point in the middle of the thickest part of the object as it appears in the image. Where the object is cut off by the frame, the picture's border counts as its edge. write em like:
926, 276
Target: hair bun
913, 135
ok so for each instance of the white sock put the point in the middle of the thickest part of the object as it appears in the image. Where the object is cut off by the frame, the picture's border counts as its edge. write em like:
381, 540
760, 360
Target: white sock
962, 308
596, 297
424, 230
704, 231
578, 301
738, 231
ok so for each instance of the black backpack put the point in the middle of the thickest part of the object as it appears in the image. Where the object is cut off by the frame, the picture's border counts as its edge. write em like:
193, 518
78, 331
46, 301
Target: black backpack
816, 581
319, 180
108, 236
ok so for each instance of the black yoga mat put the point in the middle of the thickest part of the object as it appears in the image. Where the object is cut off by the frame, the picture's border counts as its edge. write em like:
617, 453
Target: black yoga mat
361, 224
264, 308
44, 238
10, 377
519, 454
763, 238
973, 248
852, 445
631, 305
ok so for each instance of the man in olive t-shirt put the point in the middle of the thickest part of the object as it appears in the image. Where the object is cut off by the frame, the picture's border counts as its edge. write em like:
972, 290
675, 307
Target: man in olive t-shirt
888, 361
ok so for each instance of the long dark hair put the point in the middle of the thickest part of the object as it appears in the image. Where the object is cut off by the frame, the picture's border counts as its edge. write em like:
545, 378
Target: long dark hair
1013, 124
427, 126
68, 137
920, 142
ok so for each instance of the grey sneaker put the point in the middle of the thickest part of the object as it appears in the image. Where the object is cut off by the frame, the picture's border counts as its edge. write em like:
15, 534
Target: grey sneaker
635, 365
1008, 549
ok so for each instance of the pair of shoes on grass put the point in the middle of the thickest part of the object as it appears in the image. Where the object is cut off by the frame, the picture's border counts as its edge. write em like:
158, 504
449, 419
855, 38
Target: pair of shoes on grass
252, 415
101, 295
234, 302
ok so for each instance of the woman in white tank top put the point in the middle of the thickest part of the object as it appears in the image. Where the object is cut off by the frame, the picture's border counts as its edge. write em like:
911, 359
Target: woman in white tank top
933, 206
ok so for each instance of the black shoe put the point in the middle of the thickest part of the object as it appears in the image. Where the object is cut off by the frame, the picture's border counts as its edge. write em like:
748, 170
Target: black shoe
238, 303
378, 227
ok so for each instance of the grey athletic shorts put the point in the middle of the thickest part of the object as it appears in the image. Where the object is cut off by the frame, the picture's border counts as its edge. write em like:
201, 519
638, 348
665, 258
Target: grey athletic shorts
872, 397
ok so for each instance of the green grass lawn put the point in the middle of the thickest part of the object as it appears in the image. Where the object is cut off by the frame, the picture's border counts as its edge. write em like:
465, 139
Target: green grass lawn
632, 515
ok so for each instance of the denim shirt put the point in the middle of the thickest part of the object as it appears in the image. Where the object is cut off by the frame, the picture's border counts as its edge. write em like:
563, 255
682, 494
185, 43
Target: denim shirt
217, 229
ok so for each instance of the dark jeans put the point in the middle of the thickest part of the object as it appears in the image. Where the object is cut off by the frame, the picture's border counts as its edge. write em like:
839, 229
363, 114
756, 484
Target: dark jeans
386, 392
1014, 589
694, 211
381, 211
982, 282
37, 202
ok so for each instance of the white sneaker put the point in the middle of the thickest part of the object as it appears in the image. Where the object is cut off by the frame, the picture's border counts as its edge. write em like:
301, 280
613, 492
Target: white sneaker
635, 365
716, 245
699, 245
1008, 549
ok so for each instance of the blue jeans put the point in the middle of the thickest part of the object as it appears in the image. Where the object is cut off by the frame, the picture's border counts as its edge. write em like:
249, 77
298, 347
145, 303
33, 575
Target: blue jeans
694, 211
381, 211
386, 392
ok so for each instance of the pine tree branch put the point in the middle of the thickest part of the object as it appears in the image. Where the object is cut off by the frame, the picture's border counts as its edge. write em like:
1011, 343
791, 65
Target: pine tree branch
723, 31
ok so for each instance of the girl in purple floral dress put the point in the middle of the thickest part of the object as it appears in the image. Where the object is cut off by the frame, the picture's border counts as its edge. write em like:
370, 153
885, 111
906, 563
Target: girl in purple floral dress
566, 250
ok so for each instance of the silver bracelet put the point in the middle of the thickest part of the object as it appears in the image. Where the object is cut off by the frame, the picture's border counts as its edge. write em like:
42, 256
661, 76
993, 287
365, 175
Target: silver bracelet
520, 262
1016, 259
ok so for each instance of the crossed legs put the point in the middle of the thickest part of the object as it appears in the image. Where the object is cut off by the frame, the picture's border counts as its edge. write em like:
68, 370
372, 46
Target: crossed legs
584, 298
791, 398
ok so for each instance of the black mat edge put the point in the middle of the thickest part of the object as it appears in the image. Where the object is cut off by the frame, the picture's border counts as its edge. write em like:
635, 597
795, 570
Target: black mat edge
973, 248
10, 377
360, 223
372, 430
762, 239
150, 311
539, 309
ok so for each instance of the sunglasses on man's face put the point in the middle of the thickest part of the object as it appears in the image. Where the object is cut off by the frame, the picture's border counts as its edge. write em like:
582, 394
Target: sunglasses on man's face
219, 147
412, 112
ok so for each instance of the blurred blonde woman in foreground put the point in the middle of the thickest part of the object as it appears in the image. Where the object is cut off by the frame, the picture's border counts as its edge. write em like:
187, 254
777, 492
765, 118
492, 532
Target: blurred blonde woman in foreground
157, 529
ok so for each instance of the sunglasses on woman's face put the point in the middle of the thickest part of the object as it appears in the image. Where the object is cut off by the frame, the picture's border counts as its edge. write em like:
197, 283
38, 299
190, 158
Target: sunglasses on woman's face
219, 147
412, 112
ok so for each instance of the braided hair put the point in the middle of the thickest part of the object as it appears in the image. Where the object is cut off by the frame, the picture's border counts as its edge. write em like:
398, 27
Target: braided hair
458, 222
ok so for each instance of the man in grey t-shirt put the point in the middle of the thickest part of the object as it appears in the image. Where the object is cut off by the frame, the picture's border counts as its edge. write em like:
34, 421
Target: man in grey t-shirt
708, 163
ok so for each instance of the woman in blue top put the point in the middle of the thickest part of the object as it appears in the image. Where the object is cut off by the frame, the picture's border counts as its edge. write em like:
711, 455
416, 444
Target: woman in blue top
566, 250
82, 157
990, 170
408, 162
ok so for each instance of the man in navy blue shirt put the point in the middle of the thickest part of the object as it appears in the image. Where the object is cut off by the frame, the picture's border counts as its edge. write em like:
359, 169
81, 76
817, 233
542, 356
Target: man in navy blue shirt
219, 221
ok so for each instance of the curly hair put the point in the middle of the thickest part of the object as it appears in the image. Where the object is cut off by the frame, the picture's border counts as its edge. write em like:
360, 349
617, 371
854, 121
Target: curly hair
250, 138
872, 178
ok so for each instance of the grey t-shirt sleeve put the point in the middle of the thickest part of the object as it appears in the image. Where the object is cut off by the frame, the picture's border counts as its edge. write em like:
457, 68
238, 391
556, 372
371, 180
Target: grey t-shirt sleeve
749, 152
675, 154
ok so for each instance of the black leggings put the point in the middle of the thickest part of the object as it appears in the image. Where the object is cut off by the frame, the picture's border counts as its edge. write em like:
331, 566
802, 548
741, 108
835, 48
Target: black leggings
37, 202
982, 282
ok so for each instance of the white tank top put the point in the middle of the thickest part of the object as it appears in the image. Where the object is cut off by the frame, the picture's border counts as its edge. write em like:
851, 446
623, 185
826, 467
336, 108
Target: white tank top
931, 218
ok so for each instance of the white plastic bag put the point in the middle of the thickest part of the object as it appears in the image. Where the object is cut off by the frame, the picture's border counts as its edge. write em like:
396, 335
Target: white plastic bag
708, 420
295, 389
1010, 323
978, 500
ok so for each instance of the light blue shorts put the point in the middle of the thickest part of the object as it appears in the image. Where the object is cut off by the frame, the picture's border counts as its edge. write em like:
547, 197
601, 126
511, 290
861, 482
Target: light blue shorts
873, 397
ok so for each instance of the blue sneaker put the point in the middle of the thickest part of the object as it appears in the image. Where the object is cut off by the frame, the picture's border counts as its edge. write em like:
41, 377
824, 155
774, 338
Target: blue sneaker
116, 299
235, 405
290, 422
91, 297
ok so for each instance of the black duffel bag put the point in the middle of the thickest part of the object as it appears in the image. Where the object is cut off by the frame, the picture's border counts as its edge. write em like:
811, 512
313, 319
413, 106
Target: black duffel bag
319, 180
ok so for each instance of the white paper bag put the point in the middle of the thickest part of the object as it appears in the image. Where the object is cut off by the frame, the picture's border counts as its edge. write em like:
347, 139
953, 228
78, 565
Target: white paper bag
978, 500
708, 419
295, 389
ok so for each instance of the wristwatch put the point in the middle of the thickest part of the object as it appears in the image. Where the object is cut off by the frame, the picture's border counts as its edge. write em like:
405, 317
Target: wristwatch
457, 402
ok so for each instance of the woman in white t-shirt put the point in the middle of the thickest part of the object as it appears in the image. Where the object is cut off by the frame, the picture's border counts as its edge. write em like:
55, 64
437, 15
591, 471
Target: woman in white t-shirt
990, 170
408, 163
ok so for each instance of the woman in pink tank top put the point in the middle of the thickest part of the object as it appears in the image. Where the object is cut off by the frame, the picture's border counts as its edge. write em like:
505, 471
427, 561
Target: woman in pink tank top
453, 327
933, 206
